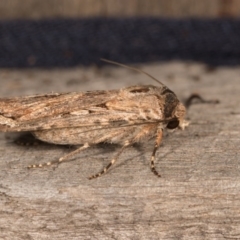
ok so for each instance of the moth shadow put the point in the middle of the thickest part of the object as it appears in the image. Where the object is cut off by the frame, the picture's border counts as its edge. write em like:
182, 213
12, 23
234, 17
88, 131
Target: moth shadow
139, 151
28, 140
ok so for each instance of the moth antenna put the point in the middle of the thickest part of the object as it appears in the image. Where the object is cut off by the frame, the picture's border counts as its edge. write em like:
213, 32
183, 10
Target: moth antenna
132, 68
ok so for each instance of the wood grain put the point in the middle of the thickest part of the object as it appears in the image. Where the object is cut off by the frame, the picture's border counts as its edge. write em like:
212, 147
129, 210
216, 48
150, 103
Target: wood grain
38, 9
196, 198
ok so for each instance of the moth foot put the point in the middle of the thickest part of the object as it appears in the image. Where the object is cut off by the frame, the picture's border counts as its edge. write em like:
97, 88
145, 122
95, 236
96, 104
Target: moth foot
155, 172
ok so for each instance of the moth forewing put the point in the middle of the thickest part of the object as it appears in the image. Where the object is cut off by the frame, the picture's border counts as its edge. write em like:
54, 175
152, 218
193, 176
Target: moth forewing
126, 116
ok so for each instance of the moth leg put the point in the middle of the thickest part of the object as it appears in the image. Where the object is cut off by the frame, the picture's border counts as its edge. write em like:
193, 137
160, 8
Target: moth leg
69, 155
158, 141
144, 131
196, 96
127, 143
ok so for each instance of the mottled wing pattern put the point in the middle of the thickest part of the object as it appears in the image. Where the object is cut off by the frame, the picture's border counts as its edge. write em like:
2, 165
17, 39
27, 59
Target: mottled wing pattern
111, 108
31, 113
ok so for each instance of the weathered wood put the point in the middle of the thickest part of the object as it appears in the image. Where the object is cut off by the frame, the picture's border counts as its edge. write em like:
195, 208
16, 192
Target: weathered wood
196, 198
37, 9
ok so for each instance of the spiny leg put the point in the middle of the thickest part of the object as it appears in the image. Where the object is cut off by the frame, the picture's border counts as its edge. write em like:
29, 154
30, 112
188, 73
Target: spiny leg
69, 155
127, 143
145, 130
189, 100
157, 144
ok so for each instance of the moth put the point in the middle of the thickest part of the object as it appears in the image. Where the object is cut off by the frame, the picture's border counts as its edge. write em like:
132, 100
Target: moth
124, 116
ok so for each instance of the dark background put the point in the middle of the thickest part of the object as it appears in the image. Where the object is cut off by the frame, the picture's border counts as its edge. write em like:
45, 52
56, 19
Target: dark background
69, 33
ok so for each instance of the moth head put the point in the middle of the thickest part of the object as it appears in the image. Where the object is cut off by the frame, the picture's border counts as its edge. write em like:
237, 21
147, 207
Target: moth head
178, 117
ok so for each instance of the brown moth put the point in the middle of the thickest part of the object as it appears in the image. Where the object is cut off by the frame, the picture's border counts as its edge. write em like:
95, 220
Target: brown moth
126, 116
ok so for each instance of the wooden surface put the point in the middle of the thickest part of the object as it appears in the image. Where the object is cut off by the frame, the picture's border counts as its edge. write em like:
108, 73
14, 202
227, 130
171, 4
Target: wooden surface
38, 9
198, 196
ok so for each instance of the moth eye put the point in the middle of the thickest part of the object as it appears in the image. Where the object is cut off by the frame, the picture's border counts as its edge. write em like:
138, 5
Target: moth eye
173, 124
